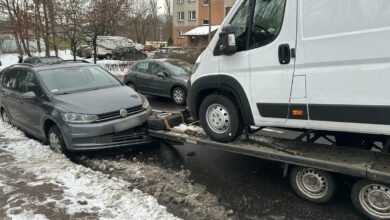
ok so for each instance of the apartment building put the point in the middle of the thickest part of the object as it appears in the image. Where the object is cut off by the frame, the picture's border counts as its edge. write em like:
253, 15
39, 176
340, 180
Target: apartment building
190, 14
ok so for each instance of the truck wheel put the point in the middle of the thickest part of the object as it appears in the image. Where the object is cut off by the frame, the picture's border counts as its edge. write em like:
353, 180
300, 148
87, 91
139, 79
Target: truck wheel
56, 141
179, 96
220, 118
371, 199
313, 185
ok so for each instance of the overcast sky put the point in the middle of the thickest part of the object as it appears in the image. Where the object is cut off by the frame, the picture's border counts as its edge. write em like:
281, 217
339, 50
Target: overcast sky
161, 4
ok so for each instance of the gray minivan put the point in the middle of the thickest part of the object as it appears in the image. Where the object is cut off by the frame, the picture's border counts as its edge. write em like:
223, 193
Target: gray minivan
73, 106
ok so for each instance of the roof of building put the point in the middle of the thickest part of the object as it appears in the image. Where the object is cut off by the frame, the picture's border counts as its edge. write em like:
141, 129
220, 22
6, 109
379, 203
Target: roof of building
201, 30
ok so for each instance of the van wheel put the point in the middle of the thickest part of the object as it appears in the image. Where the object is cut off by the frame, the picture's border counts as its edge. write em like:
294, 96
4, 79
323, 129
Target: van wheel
108, 57
313, 185
5, 117
371, 199
220, 118
179, 96
56, 141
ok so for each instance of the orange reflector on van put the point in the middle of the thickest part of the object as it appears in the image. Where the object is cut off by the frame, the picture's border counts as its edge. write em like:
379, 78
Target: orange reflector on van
297, 112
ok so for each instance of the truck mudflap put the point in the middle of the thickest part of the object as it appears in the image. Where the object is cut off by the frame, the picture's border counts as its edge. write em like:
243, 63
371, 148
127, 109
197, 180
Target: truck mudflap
353, 162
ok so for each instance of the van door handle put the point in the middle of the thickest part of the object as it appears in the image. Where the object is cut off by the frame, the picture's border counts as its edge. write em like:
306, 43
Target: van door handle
284, 54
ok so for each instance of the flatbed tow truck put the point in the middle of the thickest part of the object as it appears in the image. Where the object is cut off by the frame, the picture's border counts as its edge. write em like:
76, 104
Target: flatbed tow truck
311, 167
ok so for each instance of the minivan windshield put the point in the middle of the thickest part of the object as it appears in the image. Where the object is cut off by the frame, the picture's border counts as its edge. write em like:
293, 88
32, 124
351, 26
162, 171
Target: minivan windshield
179, 67
77, 79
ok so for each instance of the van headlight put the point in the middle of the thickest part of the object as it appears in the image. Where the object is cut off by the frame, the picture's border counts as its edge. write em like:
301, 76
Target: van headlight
145, 102
75, 118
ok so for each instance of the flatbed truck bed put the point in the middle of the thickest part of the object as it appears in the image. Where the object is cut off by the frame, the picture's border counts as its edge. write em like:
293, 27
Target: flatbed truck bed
370, 193
359, 163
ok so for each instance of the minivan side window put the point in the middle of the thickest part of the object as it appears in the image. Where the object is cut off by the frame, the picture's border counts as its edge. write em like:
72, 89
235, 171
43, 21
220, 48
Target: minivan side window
240, 25
28, 83
267, 21
9, 79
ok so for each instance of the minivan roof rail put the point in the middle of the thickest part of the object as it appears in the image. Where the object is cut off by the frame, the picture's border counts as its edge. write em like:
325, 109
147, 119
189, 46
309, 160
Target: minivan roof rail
23, 64
68, 61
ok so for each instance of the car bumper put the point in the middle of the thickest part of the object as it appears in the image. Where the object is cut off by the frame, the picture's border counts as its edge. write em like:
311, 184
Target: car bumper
122, 132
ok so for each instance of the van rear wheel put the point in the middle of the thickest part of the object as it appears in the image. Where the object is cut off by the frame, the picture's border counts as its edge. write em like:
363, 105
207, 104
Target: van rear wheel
220, 118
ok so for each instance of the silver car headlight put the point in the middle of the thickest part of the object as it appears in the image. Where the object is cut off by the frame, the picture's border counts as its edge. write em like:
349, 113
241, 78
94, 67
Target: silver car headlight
78, 118
145, 102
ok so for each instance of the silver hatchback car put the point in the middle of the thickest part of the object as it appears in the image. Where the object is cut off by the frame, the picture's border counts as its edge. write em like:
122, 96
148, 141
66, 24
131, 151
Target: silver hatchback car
73, 106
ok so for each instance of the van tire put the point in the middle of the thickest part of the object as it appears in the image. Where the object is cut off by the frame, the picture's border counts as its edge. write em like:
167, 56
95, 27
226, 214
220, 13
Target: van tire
220, 118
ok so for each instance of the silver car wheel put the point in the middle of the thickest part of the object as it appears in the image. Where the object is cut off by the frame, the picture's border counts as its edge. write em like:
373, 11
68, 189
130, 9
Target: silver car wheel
178, 96
218, 118
311, 183
55, 143
375, 199
5, 117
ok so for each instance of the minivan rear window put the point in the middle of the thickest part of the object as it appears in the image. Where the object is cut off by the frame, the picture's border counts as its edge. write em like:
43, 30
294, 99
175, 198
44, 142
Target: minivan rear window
77, 79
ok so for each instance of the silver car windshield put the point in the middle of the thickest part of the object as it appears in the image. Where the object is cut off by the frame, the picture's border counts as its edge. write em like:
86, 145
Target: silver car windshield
77, 79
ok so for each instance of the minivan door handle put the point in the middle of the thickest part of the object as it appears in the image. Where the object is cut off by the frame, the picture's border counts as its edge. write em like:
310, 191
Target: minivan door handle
284, 54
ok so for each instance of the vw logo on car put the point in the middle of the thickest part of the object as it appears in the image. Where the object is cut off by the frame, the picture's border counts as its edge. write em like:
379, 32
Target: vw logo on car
123, 113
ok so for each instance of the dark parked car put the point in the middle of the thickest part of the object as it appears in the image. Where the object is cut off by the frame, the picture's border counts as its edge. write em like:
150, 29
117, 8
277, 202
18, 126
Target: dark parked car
42, 60
73, 106
128, 53
160, 77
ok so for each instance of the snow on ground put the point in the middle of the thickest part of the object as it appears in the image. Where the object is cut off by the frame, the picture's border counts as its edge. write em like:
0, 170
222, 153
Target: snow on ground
116, 67
190, 129
85, 190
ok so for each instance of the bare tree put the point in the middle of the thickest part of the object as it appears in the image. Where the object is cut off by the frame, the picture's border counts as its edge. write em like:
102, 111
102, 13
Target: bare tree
72, 22
103, 19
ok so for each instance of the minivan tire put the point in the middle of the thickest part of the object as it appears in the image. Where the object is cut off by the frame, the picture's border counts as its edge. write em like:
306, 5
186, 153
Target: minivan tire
226, 125
179, 96
56, 141
5, 117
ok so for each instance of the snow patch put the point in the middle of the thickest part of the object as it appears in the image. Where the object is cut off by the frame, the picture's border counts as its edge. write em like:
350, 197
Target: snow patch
85, 190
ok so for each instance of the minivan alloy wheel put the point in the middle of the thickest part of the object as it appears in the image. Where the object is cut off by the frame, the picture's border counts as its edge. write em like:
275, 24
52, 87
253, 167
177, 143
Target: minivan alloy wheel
55, 143
218, 118
5, 117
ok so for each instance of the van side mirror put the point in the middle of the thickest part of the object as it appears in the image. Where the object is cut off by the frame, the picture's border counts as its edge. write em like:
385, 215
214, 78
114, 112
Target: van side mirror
228, 41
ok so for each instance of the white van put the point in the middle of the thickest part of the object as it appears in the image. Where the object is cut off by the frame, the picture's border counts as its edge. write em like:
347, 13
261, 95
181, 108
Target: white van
105, 45
309, 64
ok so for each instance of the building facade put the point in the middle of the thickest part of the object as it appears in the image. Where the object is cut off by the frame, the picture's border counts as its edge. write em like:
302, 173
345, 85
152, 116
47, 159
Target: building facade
189, 14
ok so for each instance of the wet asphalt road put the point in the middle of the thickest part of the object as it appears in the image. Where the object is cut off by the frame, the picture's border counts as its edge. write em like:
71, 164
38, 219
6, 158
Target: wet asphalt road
253, 188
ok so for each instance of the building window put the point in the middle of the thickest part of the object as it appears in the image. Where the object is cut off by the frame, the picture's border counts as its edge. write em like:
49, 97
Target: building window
180, 33
227, 10
205, 22
180, 1
192, 15
205, 2
180, 16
